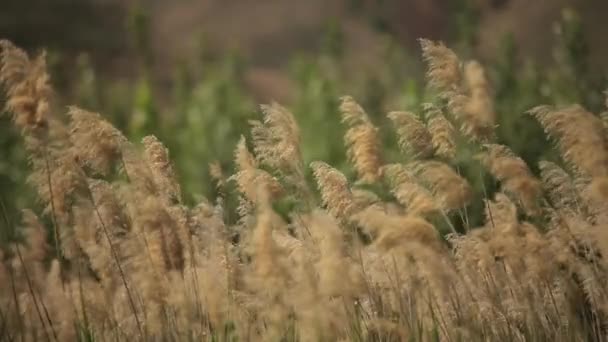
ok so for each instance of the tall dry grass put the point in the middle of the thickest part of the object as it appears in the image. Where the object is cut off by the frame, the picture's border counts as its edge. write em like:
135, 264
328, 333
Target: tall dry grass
124, 258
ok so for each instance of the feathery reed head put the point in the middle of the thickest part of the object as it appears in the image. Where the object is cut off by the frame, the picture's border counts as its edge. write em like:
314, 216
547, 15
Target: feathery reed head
249, 177
514, 175
443, 65
443, 135
393, 231
414, 197
450, 189
559, 186
276, 141
476, 108
157, 157
580, 137
414, 138
334, 189
27, 85
361, 140
97, 144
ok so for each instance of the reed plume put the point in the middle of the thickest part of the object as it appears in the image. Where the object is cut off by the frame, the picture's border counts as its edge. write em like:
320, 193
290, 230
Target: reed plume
249, 176
442, 132
581, 140
414, 138
514, 175
464, 87
361, 140
335, 192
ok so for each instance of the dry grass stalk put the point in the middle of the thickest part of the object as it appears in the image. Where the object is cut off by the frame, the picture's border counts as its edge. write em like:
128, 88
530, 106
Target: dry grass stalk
28, 88
465, 88
277, 140
414, 138
582, 142
579, 136
361, 140
391, 230
560, 187
450, 190
97, 144
443, 71
514, 175
415, 198
335, 192
157, 157
249, 176
476, 108
442, 132
276, 143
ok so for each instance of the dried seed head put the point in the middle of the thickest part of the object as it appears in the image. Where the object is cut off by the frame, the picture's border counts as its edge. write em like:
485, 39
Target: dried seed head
276, 141
414, 138
28, 88
337, 271
443, 66
161, 234
157, 158
559, 186
514, 175
414, 197
392, 231
335, 192
476, 109
450, 190
580, 137
249, 177
361, 140
443, 135
96, 143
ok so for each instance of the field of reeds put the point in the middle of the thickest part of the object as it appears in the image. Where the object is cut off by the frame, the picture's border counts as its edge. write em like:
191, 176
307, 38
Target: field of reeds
450, 237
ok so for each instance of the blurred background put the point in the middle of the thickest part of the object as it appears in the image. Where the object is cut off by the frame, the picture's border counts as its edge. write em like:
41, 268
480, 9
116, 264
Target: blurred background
193, 71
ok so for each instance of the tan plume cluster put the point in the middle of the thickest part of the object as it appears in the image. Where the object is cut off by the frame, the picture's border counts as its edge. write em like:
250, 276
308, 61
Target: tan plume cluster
450, 190
393, 230
444, 66
335, 191
28, 87
581, 139
559, 186
157, 157
118, 255
414, 138
276, 143
579, 135
277, 140
465, 87
409, 193
442, 132
514, 175
476, 107
96, 142
361, 140
249, 177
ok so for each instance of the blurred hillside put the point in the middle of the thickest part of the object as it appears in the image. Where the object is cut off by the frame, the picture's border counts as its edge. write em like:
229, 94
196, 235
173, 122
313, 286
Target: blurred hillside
268, 33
